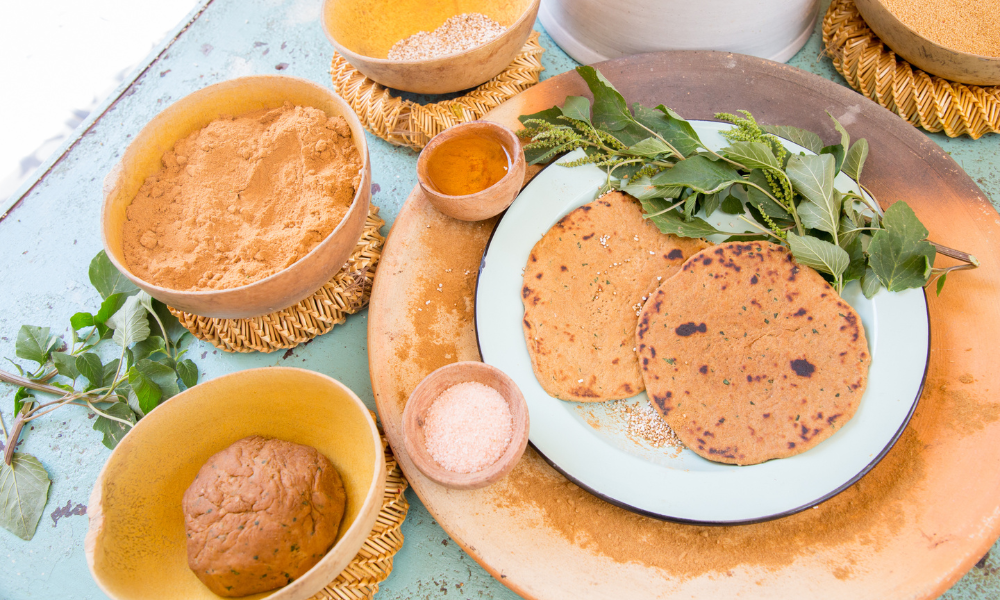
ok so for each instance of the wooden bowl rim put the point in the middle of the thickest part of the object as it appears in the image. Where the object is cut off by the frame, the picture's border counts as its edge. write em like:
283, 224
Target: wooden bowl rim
466, 481
866, 4
360, 528
351, 55
515, 152
359, 194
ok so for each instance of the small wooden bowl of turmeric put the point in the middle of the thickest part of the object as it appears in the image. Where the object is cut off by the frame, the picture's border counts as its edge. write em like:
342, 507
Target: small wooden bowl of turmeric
472, 171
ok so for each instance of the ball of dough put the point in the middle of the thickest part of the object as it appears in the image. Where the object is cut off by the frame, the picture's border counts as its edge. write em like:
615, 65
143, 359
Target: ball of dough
260, 514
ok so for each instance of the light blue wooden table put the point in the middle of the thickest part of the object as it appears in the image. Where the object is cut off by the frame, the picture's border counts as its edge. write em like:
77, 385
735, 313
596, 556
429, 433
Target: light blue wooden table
49, 237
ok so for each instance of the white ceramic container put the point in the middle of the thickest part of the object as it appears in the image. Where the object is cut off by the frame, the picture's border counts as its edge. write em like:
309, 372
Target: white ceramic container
595, 30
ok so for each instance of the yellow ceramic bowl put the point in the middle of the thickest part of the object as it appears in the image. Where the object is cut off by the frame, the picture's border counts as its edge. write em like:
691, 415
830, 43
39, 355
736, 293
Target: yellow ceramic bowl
236, 97
136, 545
363, 32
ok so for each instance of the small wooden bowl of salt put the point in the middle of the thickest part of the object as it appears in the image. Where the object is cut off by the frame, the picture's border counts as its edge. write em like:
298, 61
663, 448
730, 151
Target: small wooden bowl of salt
466, 425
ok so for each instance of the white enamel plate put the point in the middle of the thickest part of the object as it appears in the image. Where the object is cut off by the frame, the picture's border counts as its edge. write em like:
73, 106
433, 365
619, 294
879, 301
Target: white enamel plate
588, 443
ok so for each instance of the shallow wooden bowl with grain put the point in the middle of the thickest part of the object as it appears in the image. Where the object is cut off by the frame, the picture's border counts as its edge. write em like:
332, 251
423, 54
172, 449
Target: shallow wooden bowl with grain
136, 546
493, 200
363, 32
143, 156
925, 54
424, 395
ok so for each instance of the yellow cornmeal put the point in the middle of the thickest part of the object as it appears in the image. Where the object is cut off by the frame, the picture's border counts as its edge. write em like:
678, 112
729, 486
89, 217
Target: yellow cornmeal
971, 26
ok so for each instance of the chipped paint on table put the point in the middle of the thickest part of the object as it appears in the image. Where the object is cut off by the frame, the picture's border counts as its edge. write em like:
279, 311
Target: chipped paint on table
50, 236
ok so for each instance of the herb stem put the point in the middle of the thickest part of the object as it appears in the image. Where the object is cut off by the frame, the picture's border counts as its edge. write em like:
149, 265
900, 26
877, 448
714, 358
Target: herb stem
659, 137
956, 254
107, 416
666, 210
28, 383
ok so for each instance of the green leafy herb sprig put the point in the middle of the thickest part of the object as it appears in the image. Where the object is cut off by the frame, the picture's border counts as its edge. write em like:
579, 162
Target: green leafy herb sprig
148, 367
656, 156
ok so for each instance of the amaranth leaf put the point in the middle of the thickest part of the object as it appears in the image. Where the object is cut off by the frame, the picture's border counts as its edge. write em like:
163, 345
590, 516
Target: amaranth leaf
870, 285
610, 111
65, 364
34, 343
818, 254
900, 254
162, 375
670, 126
130, 323
807, 139
700, 174
107, 279
24, 490
672, 222
89, 365
753, 155
113, 430
145, 389
188, 372
812, 176
577, 107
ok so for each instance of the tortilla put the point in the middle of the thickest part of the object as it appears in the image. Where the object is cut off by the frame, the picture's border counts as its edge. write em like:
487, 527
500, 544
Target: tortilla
749, 356
584, 284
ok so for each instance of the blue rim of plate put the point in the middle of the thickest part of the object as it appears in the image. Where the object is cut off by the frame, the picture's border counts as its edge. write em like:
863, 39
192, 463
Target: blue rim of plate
661, 517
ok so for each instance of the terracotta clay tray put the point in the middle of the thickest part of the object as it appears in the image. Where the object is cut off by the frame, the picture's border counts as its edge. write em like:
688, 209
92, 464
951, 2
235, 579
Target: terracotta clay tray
909, 529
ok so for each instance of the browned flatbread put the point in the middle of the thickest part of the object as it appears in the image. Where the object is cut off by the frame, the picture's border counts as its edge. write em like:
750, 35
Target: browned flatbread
584, 284
750, 356
260, 514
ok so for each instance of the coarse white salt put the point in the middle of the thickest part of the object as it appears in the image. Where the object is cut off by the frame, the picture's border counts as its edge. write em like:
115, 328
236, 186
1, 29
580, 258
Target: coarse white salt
468, 427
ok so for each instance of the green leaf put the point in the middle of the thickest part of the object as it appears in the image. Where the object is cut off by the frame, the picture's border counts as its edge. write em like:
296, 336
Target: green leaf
110, 370
712, 202
150, 345
145, 389
162, 375
65, 364
24, 490
130, 323
855, 160
699, 174
845, 138
89, 365
672, 222
818, 254
856, 269
577, 107
649, 148
838, 153
670, 126
812, 176
870, 285
188, 372
689, 206
33, 343
807, 139
21, 397
610, 111
733, 206
940, 282
107, 279
899, 254
109, 307
753, 155
643, 189
549, 115
81, 320
113, 430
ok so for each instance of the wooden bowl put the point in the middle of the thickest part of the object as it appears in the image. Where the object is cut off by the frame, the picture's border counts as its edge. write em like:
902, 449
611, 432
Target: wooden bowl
424, 395
489, 202
142, 158
925, 54
363, 32
136, 545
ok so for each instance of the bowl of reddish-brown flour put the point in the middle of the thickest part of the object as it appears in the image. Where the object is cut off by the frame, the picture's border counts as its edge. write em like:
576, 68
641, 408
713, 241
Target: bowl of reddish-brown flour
429, 46
240, 199
465, 425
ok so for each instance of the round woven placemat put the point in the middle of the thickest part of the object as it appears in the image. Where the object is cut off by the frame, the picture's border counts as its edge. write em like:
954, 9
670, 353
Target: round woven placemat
924, 100
373, 562
406, 123
345, 294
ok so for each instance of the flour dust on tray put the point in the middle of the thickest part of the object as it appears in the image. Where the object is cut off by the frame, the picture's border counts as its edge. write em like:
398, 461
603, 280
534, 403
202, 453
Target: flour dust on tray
242, 198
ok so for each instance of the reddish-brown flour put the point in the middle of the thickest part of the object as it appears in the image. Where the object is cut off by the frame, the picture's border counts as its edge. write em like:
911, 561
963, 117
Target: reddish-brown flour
242, 199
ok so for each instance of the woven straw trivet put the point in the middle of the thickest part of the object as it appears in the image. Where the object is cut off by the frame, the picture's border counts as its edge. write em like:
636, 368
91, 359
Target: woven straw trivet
345, 294
373, 562
406, 123
922, 99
